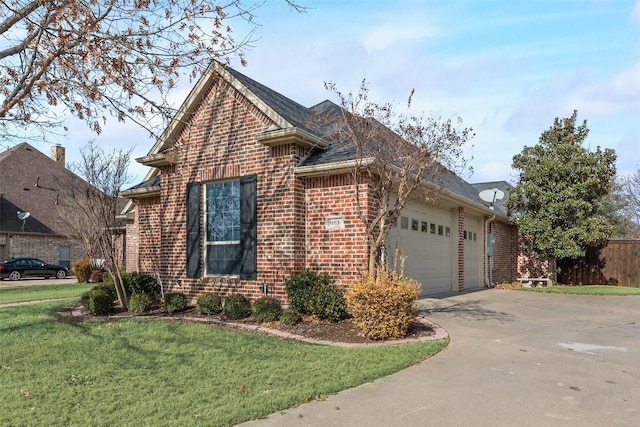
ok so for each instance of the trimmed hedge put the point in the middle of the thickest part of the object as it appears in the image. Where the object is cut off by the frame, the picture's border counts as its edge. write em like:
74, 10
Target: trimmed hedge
141, 283
140, 303
236, 307
290, 318
175, 301
313, 293
266, 309
209, 304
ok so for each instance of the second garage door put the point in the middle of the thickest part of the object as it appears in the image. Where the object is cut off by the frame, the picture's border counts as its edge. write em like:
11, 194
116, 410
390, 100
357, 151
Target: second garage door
424, 237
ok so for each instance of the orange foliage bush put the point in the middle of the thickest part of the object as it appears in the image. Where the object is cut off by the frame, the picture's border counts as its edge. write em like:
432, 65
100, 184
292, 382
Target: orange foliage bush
383, 306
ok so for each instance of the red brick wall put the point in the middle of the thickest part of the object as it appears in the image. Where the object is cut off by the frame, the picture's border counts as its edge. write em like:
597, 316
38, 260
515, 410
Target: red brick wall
342, 253
133, 243
42, 246
148, 235
505, 250
221, 143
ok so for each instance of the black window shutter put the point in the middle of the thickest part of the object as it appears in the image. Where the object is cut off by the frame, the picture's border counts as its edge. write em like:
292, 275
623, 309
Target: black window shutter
193, 229
248, 227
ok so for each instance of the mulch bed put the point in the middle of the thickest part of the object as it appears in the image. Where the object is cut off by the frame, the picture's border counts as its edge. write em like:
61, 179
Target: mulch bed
343, 331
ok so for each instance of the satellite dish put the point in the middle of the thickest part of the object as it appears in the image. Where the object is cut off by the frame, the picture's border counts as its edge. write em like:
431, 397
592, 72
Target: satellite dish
23, 215
491, 195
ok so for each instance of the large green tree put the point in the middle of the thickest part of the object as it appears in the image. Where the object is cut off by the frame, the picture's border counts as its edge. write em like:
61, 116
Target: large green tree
562, 185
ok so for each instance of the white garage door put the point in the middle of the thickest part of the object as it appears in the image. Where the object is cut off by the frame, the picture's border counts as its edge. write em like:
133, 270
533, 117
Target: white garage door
424, 236
472, 245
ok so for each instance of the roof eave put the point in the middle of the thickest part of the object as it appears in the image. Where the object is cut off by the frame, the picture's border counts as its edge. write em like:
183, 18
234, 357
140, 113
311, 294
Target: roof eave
141, 193
276, 137
348, 165
161, 159
330, 168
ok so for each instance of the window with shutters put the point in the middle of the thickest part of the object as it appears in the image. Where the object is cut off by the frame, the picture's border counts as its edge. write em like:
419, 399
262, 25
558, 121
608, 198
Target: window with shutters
229, 235
222, 220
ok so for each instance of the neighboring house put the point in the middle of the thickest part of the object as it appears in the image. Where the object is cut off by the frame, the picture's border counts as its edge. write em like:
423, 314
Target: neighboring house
243, 192
31, 187
34, 207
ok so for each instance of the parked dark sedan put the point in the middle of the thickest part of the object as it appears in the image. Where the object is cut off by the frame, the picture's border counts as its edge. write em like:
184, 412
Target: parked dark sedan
16, 268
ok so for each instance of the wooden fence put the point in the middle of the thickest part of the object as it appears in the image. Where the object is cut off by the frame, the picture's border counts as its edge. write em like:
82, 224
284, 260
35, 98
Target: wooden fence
617, 263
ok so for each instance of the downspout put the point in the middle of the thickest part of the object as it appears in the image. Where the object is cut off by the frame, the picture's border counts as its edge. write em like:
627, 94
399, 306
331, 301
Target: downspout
488, 259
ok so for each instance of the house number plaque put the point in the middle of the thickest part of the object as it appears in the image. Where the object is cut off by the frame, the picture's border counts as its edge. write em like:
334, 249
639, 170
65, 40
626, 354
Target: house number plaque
334, 222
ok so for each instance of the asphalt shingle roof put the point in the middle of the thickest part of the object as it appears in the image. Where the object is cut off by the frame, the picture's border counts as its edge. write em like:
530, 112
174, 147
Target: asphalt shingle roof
318, 120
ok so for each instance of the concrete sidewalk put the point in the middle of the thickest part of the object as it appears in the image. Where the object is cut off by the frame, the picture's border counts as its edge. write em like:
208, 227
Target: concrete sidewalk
515, 358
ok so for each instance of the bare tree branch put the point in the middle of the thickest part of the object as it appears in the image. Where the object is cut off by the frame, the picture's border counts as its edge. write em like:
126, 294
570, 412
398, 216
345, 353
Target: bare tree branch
398, 157
117, 59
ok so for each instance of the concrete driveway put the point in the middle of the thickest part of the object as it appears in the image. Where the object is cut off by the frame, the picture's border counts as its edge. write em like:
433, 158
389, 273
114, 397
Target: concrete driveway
515, 359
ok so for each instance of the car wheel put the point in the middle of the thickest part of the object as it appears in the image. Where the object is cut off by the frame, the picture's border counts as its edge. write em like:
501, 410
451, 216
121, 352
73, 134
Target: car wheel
15, 275
61, 274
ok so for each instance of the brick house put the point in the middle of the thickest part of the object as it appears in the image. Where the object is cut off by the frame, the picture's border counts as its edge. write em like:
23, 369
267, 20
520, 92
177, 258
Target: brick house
33, 183
242, 192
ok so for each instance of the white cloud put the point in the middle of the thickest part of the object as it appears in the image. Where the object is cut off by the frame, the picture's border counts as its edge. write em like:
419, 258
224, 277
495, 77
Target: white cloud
383, 36
617, 95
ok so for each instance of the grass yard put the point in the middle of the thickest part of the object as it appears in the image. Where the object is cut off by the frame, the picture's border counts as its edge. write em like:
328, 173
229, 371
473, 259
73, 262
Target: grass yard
40, 292
587, 290
136, 372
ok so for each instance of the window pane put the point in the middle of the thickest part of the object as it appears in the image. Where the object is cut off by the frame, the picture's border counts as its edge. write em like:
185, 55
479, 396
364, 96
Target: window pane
64, 256
223, 211
223, 259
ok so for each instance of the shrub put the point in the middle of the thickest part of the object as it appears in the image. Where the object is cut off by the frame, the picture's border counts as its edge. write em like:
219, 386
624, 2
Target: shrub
107, 288
383, 307
84, 299
290, 318
82, 269
328, 303
313, 293
96, 275
176, 301
99, 302
236, 307
107, 278
301, 287
141, 283
266, 309
209, 304
139, 303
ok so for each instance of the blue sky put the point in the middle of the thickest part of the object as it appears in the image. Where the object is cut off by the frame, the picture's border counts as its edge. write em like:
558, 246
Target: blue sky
507, 68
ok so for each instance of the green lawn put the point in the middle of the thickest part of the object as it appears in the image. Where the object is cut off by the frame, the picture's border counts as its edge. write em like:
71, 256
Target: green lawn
136, 372
40, 292
587, 290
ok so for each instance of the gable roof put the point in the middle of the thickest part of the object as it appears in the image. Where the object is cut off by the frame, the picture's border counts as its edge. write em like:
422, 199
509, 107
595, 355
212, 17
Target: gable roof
290, 119
282, 111
30, 181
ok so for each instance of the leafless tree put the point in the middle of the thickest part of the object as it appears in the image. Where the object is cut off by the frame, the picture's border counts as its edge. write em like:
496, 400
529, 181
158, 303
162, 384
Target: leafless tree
398, 156
91, 207
100, 59
631, 193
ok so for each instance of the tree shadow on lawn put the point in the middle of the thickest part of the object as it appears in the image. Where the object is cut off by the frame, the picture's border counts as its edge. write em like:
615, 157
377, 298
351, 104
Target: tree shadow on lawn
467, 310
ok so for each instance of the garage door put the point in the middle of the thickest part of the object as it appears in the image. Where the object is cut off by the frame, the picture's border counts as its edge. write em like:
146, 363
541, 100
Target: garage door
423, 235
472, 245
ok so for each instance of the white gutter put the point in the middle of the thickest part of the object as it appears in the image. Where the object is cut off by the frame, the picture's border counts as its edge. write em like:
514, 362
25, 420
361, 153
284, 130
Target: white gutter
315, 170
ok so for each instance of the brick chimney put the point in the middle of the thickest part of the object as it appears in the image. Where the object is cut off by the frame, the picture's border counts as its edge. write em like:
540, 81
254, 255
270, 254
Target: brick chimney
57, 154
